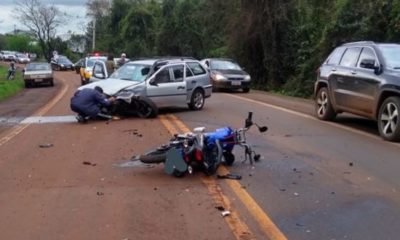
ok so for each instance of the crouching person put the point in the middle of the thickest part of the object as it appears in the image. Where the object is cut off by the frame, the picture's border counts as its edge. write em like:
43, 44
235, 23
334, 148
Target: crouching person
88, 103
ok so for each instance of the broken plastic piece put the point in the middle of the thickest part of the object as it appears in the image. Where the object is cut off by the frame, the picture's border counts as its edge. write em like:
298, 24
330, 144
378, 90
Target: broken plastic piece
230, 176
220, 208
89, 163
225, 213
46, 145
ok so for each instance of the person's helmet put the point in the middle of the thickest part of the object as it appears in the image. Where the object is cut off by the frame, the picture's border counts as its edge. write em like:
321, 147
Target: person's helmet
99, 89
123, 55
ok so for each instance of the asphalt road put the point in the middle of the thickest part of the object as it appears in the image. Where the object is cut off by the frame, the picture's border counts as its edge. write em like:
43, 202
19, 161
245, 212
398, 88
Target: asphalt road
316, 180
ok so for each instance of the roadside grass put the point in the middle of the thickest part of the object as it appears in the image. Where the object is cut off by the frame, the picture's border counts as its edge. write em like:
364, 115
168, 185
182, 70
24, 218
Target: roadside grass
9, 88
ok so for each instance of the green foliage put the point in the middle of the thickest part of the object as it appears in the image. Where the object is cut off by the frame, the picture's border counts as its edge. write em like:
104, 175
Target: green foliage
9, 88
280, 43
20, 43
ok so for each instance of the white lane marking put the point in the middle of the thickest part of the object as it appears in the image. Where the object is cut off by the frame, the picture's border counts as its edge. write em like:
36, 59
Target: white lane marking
38, 120
49, 119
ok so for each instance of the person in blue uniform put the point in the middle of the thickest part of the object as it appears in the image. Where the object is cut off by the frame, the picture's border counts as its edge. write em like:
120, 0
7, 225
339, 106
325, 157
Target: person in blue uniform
88, 103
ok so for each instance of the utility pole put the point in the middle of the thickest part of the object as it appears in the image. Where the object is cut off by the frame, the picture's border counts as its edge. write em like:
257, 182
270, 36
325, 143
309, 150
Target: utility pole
94, 35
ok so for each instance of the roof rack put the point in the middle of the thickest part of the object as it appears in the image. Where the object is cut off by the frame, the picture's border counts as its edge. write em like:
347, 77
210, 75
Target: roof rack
360, 42
164, 60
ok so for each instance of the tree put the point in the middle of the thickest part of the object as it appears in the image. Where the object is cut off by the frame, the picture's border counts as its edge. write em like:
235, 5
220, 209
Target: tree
42, 20
98, 10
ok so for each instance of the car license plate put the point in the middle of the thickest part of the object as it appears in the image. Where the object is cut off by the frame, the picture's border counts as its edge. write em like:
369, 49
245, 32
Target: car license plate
38, 80
236, 83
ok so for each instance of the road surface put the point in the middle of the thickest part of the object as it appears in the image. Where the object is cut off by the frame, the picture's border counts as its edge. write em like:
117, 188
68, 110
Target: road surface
316, 180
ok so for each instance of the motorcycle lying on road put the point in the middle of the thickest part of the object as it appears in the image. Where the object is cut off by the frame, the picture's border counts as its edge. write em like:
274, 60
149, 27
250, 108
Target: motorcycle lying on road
202, 150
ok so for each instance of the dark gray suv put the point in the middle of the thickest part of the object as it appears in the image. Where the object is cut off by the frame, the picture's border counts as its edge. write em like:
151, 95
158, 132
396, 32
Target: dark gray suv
362, 78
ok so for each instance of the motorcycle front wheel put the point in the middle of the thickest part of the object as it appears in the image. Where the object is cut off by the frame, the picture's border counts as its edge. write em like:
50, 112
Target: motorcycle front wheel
211, 161
156, 156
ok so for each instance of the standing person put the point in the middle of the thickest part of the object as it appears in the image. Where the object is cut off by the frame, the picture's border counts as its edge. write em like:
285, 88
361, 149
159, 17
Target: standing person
11, 71
88, 103
110, 64
122, 60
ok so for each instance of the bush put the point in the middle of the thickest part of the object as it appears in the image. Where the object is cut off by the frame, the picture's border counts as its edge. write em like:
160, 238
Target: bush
9, 88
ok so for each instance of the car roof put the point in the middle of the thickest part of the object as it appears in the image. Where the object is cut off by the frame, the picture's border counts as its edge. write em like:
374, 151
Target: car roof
369, 43
38, 63
162, 60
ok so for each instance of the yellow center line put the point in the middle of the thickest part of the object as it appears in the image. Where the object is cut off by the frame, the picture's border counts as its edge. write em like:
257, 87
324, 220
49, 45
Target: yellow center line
14, 131
264, 221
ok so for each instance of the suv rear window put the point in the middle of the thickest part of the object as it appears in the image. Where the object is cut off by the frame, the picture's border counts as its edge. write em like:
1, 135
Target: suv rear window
350, 57
335, 57
196, 68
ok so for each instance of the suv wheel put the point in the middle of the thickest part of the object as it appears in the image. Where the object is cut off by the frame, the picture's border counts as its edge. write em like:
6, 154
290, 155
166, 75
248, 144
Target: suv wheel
323, 105
197, 100
388, 119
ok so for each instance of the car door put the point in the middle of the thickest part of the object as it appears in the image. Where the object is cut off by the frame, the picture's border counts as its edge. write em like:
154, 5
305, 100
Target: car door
366, 82
196, 76
99, 72
167, 86
343, 80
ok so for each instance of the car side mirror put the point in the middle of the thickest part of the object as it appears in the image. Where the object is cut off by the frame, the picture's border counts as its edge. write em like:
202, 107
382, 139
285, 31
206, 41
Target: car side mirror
368, 63
153, 82
371, 64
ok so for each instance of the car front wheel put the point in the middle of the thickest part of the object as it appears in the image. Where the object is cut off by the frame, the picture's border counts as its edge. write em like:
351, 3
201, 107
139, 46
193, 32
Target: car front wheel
197, 100
388, 119
323, 105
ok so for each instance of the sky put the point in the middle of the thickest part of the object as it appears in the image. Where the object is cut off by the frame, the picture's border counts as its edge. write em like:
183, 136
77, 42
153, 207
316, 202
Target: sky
74, 11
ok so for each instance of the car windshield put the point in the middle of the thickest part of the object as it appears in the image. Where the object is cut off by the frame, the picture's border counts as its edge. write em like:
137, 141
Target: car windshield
391, 54
132, 72
224, 65
64, 60
91, 61
38, 67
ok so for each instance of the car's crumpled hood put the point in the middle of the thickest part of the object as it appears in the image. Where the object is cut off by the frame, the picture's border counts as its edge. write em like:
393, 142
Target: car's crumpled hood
110, 86
230, 71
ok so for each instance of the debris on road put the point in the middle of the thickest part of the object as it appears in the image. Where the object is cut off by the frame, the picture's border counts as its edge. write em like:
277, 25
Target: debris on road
89, 163
225, 213
230, 176
134, 132
100, 193
351, 164
46, 145
220, 208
